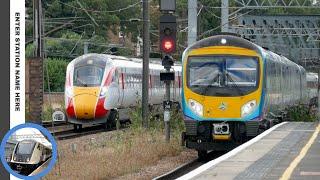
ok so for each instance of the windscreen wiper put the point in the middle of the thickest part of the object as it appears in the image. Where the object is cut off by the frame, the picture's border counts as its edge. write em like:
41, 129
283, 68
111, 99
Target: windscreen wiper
234, 84
204, 91
81, 82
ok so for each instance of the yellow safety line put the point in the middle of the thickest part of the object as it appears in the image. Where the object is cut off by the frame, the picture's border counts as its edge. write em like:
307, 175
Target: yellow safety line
287, 174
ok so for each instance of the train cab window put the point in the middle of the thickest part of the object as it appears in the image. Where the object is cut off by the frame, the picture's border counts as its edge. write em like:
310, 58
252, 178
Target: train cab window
88, 76
25, 147
242, 72
205, 73
222, 75
89, 71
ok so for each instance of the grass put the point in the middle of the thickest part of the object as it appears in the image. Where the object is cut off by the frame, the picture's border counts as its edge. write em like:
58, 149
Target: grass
117, 153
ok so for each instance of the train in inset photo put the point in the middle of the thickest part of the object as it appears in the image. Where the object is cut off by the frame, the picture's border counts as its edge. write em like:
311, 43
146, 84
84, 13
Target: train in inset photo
26, 150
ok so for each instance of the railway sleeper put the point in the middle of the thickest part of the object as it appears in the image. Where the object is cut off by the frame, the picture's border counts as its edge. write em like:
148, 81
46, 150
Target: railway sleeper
77, 127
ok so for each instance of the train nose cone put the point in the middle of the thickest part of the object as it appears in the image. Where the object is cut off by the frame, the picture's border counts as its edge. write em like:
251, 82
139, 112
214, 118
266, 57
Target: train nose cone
85, 106
85, 103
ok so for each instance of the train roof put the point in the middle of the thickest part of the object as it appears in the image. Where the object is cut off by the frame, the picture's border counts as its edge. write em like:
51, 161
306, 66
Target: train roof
30, 133
229, 40
121, 61
48, 145
12, 141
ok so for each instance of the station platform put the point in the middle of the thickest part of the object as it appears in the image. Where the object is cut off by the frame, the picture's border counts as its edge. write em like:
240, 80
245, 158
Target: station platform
290, 150
41, 168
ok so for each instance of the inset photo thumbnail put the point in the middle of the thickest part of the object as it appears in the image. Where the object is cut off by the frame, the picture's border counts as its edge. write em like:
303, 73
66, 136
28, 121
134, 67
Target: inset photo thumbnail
28, 151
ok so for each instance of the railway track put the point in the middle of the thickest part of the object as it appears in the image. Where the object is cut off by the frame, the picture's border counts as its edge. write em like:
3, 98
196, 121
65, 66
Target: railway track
55, 124
187, 167
70, 133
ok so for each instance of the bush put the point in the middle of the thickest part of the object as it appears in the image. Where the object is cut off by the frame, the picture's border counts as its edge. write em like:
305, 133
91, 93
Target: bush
57, 72
30, 50
47, 114
156, 122
301, 112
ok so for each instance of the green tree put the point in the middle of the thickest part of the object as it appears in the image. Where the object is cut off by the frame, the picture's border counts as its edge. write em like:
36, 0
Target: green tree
55, 72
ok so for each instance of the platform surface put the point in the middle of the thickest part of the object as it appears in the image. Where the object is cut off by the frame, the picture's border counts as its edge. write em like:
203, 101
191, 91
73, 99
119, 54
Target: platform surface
271, 156
41, 168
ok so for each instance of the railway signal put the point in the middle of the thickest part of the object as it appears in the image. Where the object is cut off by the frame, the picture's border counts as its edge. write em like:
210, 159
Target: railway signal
167, 5
168, 30
167, 34
167, 76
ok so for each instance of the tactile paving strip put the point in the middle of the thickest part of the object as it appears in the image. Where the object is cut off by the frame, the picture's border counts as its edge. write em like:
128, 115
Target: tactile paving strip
261, 168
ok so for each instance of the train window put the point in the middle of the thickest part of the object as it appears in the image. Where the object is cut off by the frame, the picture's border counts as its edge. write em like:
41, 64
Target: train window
115, 77
25, 147
241, 71
205, 71
222, 75
88, 76
130, 80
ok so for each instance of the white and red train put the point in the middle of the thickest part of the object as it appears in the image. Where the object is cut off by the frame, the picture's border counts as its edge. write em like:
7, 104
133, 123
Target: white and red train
100, 88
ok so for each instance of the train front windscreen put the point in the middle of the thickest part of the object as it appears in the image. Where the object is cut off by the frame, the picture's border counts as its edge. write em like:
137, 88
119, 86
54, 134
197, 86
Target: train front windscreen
222, 75
88, 73
25, 148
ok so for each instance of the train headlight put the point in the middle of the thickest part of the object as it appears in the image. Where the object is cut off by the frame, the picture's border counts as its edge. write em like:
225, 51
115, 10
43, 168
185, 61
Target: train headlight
15, 158
248, 108
196, 107
28, 159
103, 91
69, 92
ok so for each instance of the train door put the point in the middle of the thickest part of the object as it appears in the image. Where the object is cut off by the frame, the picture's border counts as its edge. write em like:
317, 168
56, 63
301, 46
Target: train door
38, 153
300, 83
43, 153
115, 85
121, 88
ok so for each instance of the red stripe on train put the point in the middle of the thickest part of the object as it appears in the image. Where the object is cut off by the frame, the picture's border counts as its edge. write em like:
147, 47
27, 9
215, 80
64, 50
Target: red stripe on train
70, 108
100, 111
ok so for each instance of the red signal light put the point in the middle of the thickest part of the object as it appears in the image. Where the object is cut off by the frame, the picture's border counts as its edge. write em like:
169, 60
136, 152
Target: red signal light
167, 45
167, 33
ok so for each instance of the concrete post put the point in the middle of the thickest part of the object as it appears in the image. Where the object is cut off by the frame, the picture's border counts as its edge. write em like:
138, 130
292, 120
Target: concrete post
192, 21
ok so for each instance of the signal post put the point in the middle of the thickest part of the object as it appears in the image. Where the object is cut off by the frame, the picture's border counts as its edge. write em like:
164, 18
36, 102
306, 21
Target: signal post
168, 30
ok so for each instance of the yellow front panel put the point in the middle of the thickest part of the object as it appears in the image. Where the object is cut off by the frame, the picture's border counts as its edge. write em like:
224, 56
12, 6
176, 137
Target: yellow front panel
212, 104
225, 137
85, 101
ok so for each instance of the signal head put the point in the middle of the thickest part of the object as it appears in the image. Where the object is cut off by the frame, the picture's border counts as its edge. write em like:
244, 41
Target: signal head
168, 30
